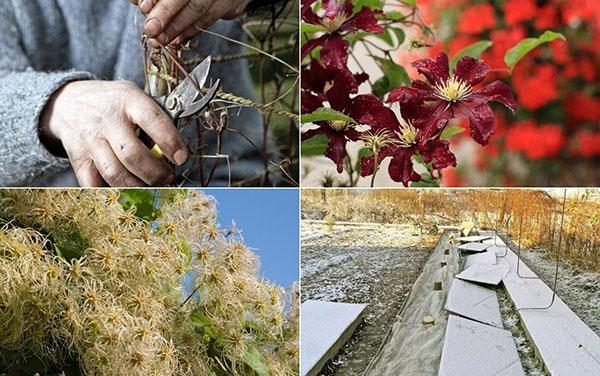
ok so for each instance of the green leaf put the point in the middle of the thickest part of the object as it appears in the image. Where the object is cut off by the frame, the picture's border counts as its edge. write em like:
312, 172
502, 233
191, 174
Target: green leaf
372, 4
203, 324
386, 36
400, 35
395, 15
426, 181
310, 28
325, 114
516, 53
254, 359
143, 200
410, 2
474, 50
395, 73
314, 146
450, 131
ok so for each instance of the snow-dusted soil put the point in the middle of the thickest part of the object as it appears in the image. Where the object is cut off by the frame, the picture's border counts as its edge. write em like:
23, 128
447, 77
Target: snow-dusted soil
376, 265
579, 289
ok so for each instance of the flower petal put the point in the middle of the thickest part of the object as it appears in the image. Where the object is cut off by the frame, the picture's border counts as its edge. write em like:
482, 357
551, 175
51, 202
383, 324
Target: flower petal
480, 116
316, 76
364, 20
334, 54
471, 71
432, 121
438, 152
368, 109
322, 129
499, 92
401, 166
310, 102
339, 94
307, 13
405, 94
337, 149
312, 44
435, 70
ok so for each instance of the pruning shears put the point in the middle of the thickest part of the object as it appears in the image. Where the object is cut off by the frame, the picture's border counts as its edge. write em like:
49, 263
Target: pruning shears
187, 99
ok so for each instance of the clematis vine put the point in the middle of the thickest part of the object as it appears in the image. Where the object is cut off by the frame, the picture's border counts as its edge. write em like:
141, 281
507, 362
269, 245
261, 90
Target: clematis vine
402, 140
446, 96
337, 20
391, 120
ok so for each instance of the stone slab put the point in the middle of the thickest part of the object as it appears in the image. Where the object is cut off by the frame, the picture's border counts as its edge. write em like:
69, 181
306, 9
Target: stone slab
475, 349
475, 302
473, 247
474, 238
500, 251
566, 345
488, 257
325, 328
483, 273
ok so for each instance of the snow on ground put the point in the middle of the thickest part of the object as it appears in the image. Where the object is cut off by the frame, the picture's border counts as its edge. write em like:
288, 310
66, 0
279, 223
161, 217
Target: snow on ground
377, 265
579, 289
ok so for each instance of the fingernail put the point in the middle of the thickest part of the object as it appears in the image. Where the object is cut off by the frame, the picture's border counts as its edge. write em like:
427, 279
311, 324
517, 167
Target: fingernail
181, 156
152, 27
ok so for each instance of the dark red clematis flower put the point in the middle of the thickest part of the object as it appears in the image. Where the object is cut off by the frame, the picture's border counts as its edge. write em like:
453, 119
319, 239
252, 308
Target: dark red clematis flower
402, 140
337, 20
447, 96
359, 108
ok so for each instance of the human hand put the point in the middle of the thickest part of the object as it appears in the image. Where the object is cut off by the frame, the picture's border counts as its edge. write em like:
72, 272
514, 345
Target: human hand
176, 21
96, 123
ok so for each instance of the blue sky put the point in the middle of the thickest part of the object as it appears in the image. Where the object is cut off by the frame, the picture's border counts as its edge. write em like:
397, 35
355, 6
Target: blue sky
268, 219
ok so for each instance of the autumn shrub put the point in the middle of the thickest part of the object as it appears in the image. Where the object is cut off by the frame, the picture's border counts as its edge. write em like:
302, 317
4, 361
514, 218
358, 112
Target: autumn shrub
92, 281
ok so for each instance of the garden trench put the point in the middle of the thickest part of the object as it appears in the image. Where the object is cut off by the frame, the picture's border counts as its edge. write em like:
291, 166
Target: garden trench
396, 342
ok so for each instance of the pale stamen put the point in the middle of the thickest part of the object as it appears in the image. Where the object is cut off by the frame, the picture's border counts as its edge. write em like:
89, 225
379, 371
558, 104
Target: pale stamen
338, 125
333, 24
452, 90
407, 135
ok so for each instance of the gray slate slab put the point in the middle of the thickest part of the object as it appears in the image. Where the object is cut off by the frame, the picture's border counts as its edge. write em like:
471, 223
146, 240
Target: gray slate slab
473, 238
488, 257
474, 247
475, 349
483, 273
325, 327
566, 345
475, 302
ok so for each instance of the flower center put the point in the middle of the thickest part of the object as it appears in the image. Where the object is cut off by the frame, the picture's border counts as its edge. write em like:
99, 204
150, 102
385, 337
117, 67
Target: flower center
338, 125
407, 135
332, 25
452, 90
378, 140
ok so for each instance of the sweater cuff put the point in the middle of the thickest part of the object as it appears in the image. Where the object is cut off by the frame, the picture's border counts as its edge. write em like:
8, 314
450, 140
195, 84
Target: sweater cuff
30, 92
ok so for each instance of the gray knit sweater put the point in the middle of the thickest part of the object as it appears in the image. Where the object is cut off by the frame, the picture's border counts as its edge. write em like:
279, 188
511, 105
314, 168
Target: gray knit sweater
47, 43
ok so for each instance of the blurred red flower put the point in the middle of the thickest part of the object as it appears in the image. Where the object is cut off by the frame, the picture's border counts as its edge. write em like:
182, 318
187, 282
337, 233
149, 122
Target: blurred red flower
517, 11
477, 18
581, 108
535, 86
588, 144
534, 141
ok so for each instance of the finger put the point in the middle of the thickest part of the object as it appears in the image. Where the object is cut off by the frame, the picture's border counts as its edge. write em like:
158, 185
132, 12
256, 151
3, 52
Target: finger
86, 172
136, 157
195, 29
161, 15
147, 5
147, 114
196, 10
113, 172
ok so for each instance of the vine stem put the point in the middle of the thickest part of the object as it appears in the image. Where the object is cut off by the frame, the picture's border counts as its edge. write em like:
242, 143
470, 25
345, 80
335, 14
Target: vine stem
375, 170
